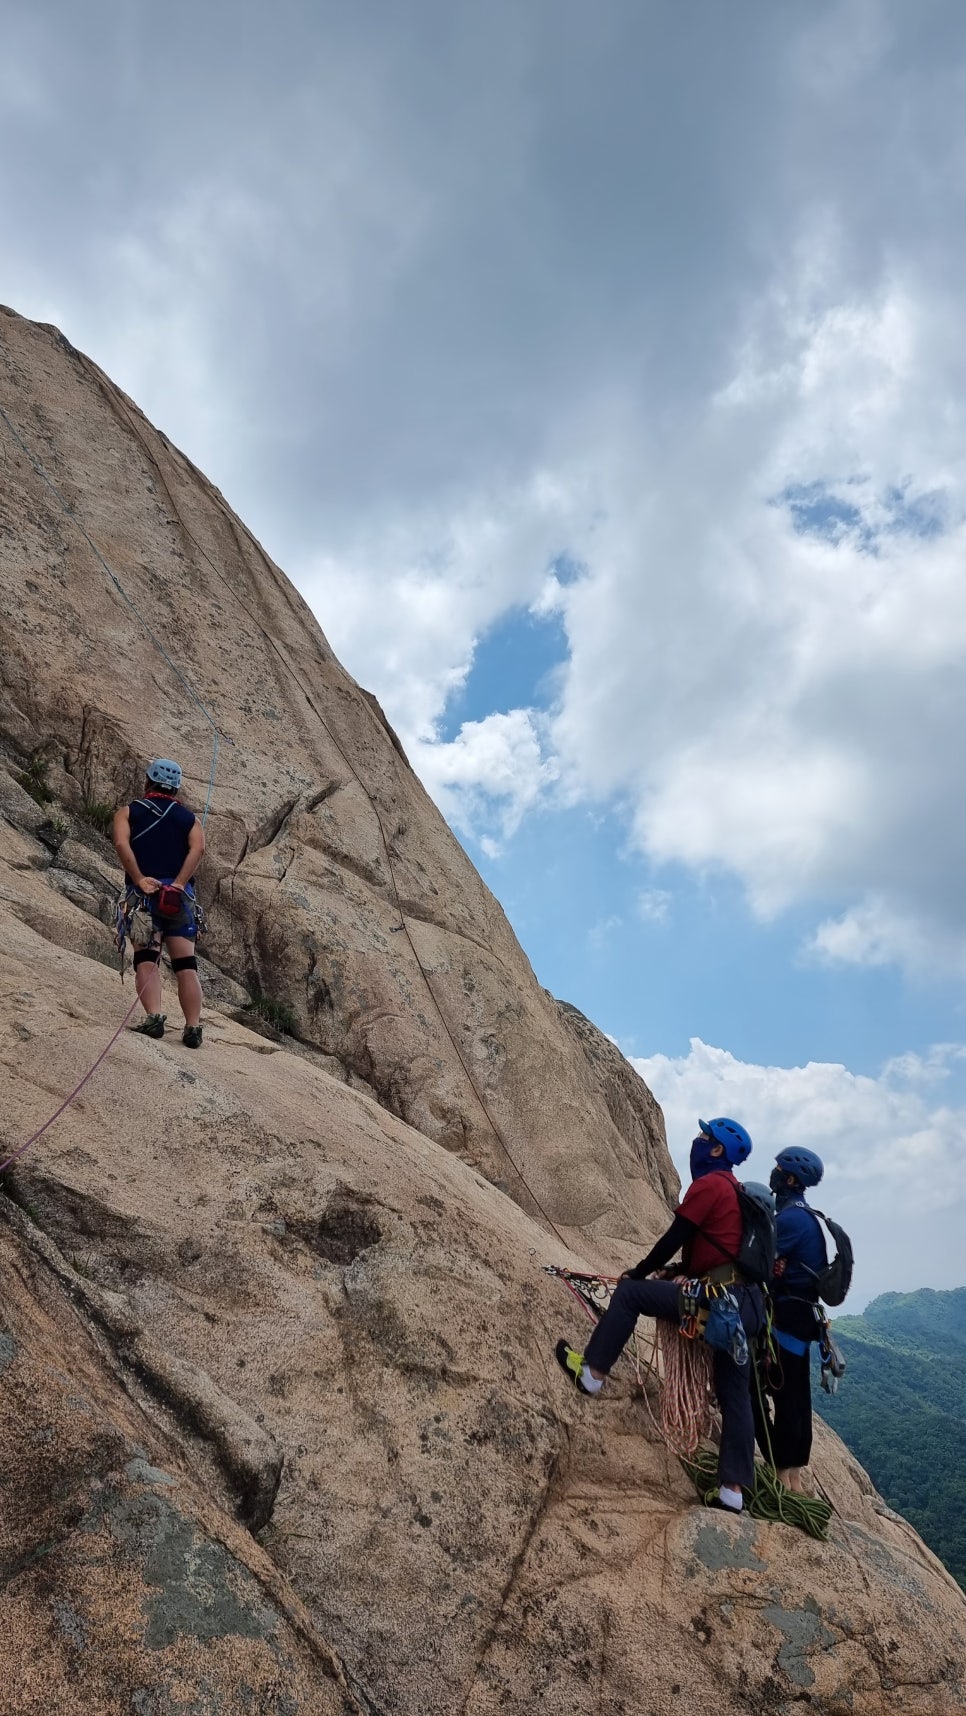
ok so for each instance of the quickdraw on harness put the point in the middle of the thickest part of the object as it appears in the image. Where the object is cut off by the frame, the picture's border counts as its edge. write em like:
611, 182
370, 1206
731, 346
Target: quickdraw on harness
693, 1304
710, 1312
830, 1354
168, 902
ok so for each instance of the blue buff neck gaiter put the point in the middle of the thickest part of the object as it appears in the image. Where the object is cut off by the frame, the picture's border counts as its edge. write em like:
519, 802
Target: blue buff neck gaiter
702, 1161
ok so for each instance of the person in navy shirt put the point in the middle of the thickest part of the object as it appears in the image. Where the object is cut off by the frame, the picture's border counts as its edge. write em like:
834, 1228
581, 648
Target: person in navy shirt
160, 842
785, 1432
707, 1228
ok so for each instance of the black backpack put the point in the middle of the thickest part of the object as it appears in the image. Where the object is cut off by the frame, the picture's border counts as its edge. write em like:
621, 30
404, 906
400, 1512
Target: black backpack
755, 1257
756, 1253
835, 1279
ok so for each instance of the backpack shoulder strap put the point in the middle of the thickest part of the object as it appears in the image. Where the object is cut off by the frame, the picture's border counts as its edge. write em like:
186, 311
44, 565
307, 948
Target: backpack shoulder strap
731, 1256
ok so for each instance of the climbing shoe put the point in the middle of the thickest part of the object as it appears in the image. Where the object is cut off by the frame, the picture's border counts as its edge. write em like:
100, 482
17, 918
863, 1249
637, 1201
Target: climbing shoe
573, 1364
725, 1507
152, 1026
191, 1036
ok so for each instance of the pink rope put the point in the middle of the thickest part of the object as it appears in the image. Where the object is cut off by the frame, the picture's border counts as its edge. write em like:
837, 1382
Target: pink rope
684, 1378
686, 1390
74, 1093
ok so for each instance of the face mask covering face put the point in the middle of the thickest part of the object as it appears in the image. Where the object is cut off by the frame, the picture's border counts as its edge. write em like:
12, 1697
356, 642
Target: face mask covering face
702, 1161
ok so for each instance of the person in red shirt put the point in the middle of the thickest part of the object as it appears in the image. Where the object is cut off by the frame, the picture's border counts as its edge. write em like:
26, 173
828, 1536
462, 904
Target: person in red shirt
707, 1230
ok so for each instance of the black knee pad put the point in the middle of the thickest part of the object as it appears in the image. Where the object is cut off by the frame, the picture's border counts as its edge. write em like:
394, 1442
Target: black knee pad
146, 956
188, 963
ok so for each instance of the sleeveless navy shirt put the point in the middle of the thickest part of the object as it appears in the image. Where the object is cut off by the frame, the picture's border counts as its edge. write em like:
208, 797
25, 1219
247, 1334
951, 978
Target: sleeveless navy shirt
160, 827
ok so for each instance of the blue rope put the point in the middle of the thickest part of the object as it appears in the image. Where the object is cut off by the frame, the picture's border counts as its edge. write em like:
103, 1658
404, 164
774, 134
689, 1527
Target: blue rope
71, 514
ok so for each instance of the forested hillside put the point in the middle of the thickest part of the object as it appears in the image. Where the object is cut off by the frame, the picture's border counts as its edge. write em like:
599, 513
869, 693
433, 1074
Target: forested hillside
902, 1410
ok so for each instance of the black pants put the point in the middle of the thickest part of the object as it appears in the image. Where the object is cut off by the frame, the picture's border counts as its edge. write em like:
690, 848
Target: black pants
732, 1382
783, 1417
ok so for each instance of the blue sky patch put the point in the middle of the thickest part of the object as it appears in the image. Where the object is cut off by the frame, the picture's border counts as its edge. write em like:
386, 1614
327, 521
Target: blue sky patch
657, 955
817, 510
916, 515
514, 667
822, 509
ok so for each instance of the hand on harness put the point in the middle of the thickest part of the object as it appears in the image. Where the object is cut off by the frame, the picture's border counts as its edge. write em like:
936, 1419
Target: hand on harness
167, 898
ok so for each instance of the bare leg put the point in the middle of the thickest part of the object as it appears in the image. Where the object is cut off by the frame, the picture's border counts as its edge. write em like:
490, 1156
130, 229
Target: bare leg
189, 987
791, 1477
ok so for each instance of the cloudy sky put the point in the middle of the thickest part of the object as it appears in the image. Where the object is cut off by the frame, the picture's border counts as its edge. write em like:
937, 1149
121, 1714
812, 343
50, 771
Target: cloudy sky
597, 373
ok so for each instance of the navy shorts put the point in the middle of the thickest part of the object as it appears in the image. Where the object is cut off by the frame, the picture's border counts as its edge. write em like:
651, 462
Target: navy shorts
185, 924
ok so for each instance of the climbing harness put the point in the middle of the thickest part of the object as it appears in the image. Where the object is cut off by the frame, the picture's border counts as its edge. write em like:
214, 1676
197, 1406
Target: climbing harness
132, 905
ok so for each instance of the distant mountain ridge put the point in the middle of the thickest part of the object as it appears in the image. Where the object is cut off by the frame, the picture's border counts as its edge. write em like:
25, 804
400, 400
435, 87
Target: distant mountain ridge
902, 1410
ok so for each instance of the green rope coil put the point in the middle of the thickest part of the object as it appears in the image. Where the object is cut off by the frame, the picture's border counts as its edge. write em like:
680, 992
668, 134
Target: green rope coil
770, 1500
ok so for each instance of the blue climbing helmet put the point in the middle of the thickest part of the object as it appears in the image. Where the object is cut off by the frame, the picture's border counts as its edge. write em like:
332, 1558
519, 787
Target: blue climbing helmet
164, 773
730, 1133
803, 1165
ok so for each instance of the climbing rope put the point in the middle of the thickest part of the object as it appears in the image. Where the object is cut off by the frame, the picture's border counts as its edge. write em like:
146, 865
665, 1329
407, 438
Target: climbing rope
770, 1500
74, 1093
687, 1393
120, 409
112, 400
41, 471
681, 1368
684, 1371
593, 1293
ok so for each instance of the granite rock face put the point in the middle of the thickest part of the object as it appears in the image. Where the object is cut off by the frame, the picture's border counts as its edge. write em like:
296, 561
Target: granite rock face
334, 886
280, 1425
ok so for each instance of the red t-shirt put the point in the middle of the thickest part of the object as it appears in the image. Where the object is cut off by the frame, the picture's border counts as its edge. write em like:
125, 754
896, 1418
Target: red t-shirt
711, 1203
